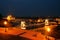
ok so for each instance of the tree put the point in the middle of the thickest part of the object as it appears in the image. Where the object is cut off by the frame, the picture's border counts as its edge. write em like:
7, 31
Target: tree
1, 16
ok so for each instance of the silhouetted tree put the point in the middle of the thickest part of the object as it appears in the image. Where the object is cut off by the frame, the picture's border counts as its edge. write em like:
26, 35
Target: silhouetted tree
1, 15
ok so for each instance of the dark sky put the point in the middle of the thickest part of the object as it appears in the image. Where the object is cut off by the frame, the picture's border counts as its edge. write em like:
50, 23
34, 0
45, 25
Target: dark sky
30, 7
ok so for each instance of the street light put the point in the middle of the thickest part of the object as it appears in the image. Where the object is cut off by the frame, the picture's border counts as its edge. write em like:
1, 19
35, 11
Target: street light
47, 32
9, 17
48, 29
5, 23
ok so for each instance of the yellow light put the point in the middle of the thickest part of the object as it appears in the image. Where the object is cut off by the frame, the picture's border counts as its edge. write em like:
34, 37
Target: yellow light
38, 20
48, 29
9, 17
5, 22
46, 22
23, 25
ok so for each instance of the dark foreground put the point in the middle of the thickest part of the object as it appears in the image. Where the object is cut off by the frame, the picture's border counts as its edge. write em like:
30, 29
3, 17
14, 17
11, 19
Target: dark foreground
12, 37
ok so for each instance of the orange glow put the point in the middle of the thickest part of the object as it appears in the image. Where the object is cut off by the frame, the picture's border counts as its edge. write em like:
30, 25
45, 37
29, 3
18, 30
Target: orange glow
6, 29
38, 20
48, 29
9, 17
5, 22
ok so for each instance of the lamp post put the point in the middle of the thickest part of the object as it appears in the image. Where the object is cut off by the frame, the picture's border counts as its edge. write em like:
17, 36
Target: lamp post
5, 23
47, 31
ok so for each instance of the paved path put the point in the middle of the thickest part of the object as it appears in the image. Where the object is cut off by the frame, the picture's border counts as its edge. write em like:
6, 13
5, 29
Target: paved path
24, 33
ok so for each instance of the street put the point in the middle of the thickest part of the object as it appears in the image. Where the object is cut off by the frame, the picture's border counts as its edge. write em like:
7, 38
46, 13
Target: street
33, 34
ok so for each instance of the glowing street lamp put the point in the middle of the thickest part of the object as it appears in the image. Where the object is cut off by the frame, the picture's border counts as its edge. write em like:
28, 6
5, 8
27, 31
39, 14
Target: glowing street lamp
38, 20
5, 22
9, 17
48, 29
47, 32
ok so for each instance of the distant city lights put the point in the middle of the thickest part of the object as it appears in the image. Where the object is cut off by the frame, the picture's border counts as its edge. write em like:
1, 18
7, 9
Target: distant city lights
46, 22
9, 17
23, 25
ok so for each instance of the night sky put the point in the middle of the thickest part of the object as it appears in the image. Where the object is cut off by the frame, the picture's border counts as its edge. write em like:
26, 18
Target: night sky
30, 7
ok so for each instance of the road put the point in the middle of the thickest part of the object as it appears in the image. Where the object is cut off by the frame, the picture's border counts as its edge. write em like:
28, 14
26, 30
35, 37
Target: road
24, 33
30, 34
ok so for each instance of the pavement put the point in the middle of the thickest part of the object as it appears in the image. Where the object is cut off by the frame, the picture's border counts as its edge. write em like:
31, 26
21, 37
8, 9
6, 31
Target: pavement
33, 35
11, 37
